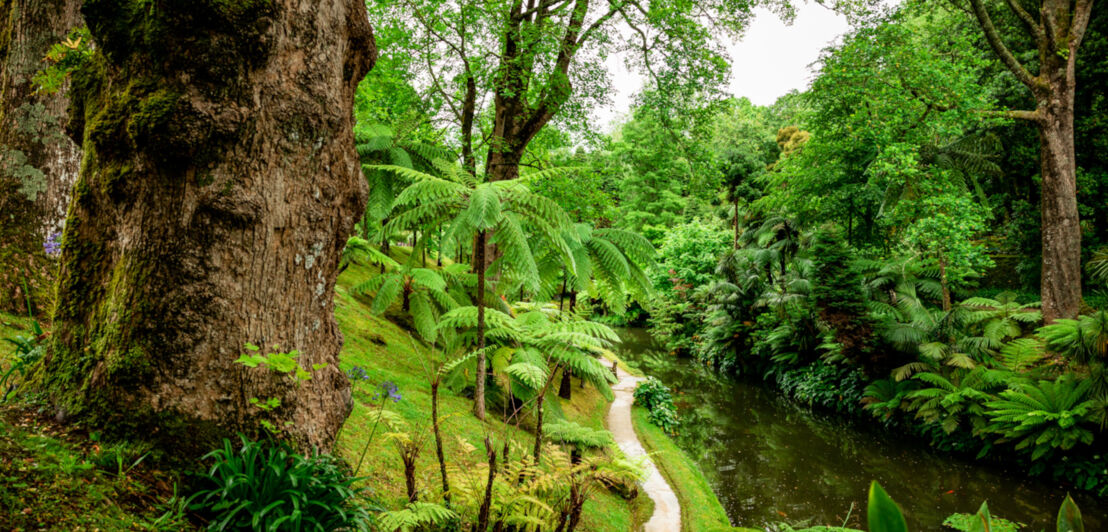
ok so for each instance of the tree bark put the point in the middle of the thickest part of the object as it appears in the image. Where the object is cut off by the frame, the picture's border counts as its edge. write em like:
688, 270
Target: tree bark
1061, 231
1057, 32
219, 185
483, 513
38, 162
438, 439
565, 389
479, 250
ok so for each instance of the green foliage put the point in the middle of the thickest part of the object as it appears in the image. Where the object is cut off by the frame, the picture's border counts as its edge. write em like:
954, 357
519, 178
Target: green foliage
882, 514
1043, 417
657, 399
28, 351
64, 58
973, 522
1084, 340
570, 433
415, 516
264, 485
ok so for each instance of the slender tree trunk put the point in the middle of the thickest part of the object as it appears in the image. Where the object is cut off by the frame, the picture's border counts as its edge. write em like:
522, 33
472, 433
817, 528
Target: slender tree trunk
438, 438
219, 185
486, 503
38, 162
1061, 230
735, 243
409, 454
539, 415
565, 389
479, 263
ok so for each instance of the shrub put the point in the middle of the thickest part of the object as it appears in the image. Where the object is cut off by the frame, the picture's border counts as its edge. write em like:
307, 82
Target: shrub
656, 397
265, 485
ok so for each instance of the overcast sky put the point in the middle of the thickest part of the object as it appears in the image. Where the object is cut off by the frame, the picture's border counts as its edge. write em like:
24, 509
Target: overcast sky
772, 59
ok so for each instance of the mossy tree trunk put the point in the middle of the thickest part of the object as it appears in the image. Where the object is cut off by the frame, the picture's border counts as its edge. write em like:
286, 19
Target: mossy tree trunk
38, 162
219, 185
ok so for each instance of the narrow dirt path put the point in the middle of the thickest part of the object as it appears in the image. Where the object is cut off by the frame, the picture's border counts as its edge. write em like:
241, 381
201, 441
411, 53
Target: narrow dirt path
667, 510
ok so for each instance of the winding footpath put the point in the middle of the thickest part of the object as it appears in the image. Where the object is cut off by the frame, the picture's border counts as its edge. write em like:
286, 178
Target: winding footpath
667, 510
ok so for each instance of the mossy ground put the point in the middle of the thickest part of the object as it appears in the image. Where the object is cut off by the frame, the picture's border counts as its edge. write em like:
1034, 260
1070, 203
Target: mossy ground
51, 479
68, 496
387, 352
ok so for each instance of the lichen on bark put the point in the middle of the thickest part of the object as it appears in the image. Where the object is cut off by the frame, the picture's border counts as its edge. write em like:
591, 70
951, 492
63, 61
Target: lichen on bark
218, 146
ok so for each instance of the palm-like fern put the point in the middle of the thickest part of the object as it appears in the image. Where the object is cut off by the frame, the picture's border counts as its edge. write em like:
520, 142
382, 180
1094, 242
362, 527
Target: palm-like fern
1001, 318
1043, 416
471, 210
950, 402
415, 516
611, 265
1098, 265
424, 293
1084, 340
380, 144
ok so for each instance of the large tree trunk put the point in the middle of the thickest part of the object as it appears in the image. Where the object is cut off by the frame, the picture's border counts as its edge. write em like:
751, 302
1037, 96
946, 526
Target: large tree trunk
1057, 30
38, 162
1061, 232
218, 188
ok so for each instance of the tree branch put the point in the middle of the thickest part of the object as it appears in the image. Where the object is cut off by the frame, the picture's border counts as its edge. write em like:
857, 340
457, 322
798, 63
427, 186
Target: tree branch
1032, 116
1028, 20
998, 46
1081, 13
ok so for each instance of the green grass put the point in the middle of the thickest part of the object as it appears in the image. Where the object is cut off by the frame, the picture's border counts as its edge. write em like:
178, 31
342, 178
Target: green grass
70, 494
50, 480
389, 353
701, 511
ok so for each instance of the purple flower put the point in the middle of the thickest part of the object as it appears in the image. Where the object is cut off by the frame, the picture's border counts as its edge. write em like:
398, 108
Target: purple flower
53, 245
388, 388
357, 373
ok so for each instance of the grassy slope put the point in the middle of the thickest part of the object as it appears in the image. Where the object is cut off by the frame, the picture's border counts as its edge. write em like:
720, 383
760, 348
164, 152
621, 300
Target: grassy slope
388, 353
701, 511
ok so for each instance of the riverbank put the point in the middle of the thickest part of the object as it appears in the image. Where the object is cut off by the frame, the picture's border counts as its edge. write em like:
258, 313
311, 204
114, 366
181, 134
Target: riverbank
693, 493
770, 459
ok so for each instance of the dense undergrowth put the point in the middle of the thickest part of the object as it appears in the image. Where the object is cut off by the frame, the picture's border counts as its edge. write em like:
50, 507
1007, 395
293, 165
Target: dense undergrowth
870, 338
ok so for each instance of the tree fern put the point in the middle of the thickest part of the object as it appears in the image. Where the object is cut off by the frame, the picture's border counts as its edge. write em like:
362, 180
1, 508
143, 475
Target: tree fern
415, 516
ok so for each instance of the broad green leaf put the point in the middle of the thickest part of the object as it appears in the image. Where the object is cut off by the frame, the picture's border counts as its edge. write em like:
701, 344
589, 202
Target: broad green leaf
883, 514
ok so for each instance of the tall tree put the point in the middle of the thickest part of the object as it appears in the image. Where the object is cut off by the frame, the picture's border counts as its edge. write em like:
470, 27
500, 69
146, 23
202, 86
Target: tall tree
1056, 27
535, 60
219, 185
38, 162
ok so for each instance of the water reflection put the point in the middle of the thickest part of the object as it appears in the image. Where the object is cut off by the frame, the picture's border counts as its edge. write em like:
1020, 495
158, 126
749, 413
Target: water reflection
771, 461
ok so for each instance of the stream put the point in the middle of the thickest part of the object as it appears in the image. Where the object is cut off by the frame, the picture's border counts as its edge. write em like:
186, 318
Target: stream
770, 460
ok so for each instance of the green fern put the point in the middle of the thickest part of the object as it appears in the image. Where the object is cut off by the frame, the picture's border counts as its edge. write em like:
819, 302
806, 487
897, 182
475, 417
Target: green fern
1043, 416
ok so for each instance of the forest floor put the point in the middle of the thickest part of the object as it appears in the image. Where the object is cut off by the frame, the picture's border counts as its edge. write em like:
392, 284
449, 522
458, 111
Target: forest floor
388, 352
61, 478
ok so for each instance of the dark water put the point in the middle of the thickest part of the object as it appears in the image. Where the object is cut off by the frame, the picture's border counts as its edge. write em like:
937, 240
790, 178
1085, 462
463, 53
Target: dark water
769, 460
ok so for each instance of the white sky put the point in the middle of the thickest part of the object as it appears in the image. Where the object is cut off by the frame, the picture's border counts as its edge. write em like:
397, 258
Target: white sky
770, 60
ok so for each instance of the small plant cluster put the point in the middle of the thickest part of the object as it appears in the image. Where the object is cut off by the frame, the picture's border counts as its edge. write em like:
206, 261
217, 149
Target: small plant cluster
284, 363
265, 485
28, 351
658, 400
